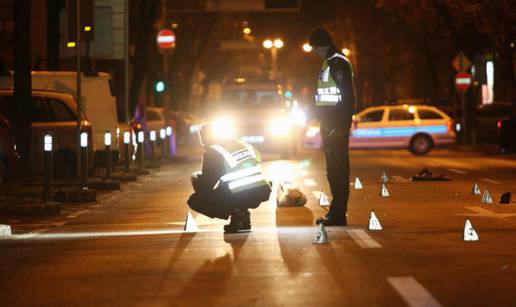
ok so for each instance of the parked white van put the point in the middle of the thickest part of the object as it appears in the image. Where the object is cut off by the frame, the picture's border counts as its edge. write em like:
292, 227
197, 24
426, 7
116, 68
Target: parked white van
98, 99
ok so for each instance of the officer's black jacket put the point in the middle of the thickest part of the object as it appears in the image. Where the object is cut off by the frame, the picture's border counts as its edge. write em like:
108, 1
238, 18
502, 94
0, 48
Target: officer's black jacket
341, 115
212, 170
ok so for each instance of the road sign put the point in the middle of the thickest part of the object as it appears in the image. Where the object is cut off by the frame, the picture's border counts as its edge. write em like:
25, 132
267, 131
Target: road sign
461, 62
462, 81
166, 39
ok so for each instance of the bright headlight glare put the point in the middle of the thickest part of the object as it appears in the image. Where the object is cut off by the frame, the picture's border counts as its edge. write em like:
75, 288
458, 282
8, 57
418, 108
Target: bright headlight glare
298, 117
280, 126
312, 131
224, 128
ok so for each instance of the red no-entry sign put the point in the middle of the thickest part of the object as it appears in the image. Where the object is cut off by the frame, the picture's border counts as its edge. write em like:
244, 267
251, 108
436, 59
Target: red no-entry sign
166, 39
462, 81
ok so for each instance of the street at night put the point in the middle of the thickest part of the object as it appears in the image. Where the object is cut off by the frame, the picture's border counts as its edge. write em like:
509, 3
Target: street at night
207, 153
130, 248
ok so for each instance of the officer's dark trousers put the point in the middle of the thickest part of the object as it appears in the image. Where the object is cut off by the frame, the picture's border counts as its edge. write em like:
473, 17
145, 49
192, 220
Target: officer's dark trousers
209, 204
336, 151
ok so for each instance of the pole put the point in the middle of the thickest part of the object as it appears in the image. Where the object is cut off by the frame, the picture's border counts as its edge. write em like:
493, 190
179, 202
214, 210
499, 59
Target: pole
47, 181
78, 84
464, 130
274, 59
126, 65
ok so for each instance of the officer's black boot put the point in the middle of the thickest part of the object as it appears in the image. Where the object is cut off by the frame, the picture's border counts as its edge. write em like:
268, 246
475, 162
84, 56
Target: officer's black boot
240, 221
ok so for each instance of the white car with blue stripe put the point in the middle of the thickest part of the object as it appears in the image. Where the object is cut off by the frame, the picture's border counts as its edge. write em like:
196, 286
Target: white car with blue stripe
418, 128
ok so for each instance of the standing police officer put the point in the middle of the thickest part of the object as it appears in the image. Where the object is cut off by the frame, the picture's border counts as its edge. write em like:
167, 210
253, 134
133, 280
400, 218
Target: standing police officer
334, 104
231, 181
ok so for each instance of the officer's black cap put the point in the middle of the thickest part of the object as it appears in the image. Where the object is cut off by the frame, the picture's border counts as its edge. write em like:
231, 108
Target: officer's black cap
320, 38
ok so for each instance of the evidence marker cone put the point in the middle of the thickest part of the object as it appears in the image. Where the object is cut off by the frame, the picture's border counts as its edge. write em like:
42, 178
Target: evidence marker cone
475, 190
384, 179
323, 200
486, 197
384, 192
374, 223
469, 232
321, 236
190, 223
358, 184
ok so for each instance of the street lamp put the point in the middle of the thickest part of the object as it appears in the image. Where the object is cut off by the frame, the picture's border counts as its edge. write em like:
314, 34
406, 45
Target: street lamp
346, 51
273, 46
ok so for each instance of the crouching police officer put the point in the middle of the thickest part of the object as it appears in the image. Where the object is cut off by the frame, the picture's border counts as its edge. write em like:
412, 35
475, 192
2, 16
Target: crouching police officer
231, 181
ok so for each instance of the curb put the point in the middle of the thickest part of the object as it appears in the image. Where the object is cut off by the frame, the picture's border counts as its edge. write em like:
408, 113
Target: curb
28, 210
76, 195
105, 185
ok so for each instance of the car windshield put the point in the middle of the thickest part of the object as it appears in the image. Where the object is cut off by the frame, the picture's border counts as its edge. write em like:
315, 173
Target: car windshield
254, 99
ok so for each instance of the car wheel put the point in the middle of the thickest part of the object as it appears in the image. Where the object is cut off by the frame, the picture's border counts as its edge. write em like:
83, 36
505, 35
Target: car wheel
421, 144
64, 166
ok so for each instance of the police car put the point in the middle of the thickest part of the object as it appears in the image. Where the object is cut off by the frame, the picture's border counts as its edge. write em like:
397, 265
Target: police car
256, 113
418, 128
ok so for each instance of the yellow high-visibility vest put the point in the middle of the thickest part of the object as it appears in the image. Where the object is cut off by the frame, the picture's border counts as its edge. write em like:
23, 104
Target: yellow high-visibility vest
328, 94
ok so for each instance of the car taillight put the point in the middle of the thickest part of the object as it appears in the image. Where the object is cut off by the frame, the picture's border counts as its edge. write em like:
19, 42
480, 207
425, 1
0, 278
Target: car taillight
450, 125
499, 124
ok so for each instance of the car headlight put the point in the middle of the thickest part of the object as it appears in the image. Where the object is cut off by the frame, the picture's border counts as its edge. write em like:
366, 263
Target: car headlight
312, 131
280, 126
224, 128
298, 117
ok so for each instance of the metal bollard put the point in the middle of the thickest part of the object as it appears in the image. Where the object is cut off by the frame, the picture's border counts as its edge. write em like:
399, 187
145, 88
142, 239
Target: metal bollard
127, 141
84, 159
152, 137
47, 184
168, 132
163, 136
141, 139
107, 143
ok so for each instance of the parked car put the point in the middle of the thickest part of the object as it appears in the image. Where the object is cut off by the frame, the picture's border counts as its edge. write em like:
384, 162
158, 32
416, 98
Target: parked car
487, 117
186, 126
507, 133
8, 155
54, 113
417, 128
98, 98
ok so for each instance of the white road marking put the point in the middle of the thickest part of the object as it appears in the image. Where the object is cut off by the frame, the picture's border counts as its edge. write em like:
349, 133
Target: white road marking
491, 180
76, 214
310, 182
412, 292
457, 171
432, 164
482, 212
363, 239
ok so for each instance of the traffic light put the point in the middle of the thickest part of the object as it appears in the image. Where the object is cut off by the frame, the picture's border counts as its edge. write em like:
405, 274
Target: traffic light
159, 86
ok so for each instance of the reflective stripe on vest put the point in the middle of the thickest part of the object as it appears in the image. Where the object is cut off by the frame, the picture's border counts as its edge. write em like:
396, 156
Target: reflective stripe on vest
328, 94
242, 168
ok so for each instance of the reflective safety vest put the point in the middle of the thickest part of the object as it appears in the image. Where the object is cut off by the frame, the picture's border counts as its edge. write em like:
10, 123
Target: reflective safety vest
328, 94
241, 163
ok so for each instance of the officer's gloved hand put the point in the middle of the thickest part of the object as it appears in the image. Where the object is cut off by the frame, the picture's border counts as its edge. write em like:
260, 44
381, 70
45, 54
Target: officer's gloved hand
194, 178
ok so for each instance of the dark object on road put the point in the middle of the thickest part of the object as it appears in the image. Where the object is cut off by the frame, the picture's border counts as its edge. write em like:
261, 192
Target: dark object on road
426, 175
289, 195
506, 198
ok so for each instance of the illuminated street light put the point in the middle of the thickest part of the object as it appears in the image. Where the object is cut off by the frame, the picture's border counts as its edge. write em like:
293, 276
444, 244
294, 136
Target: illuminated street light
346, 51
307, 47
278, 43
268, 44
70, 44
247, 30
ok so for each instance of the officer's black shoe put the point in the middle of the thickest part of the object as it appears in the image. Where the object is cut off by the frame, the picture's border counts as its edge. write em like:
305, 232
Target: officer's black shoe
240, 222
331, 221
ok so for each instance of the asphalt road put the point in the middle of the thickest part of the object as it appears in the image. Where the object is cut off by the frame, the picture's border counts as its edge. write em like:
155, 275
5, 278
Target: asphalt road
129, 249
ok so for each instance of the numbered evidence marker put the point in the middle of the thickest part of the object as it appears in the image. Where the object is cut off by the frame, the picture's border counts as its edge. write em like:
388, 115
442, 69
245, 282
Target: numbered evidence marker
190, 223
384, 192
321, 236
486, 197
475, 190
374, 223
323, 200
469, 232
384, 179
358, 184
